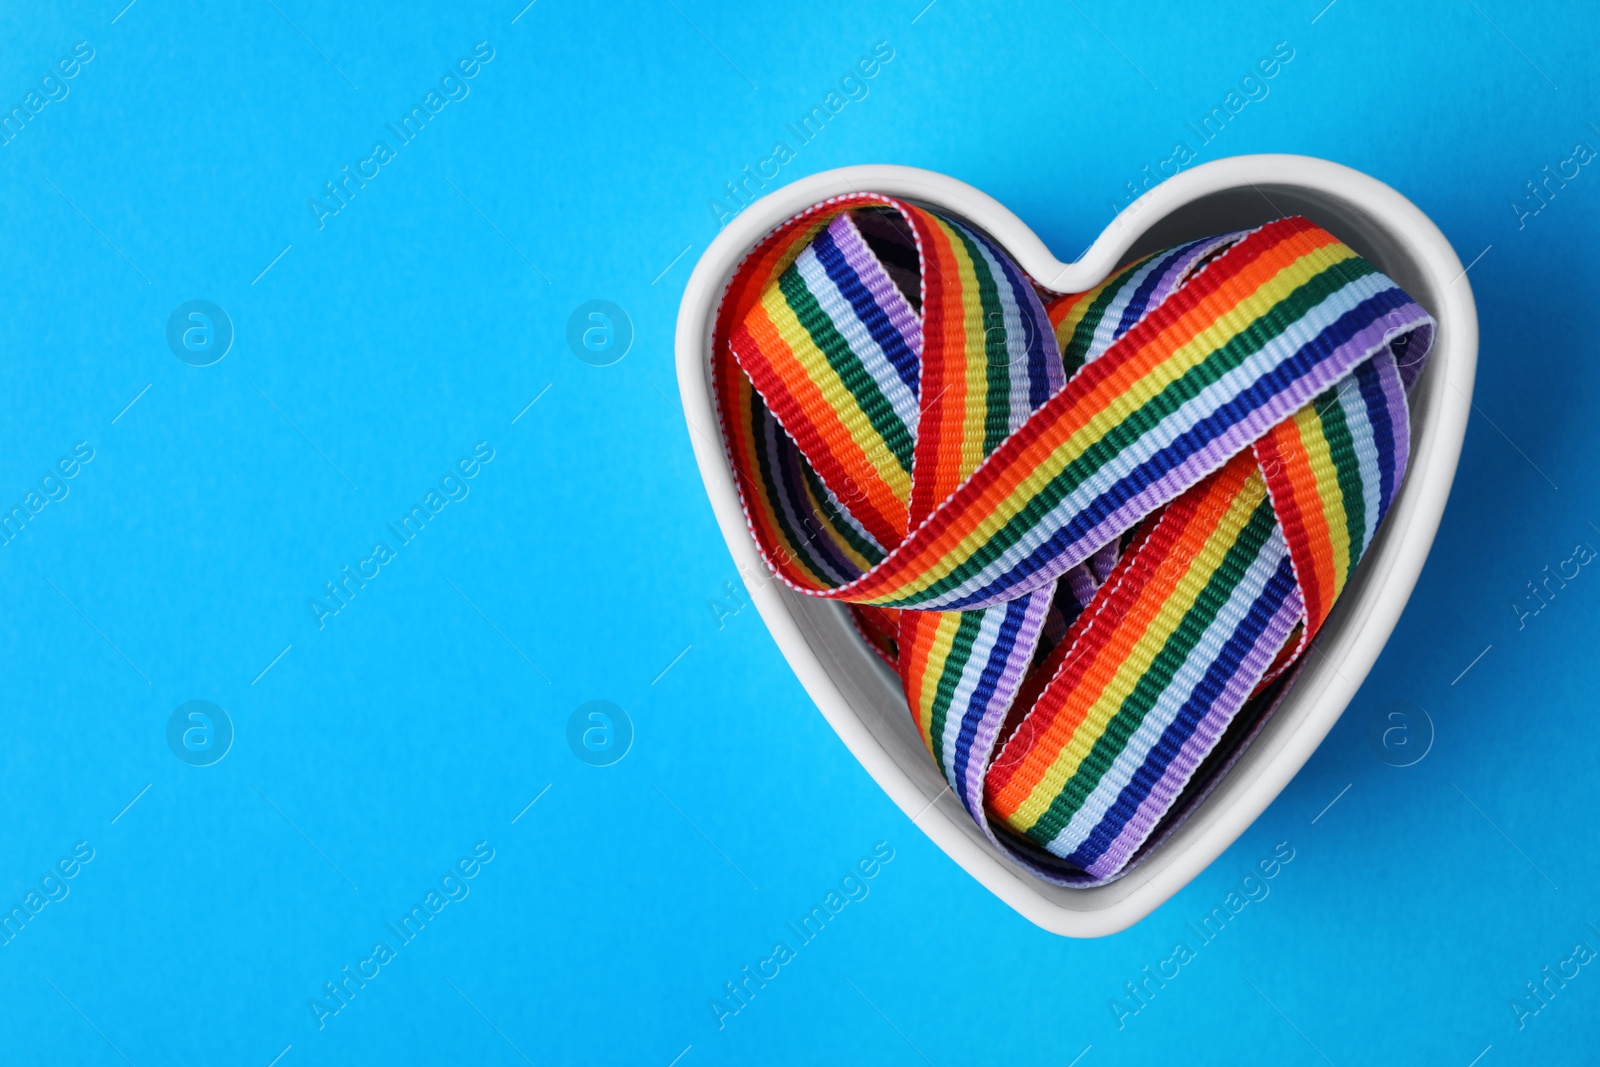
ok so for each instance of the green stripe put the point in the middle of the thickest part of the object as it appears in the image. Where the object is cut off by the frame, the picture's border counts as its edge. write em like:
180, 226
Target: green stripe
841, 528
1341, 447
1248, 342
950, 676
1076, 350
1219, 588
758, 415
996, 350
1287, 312
863, 387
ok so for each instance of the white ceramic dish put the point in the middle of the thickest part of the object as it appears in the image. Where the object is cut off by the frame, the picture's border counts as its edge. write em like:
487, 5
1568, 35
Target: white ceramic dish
861, 699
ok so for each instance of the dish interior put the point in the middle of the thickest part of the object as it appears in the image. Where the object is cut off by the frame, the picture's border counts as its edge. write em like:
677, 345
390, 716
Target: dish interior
872, 690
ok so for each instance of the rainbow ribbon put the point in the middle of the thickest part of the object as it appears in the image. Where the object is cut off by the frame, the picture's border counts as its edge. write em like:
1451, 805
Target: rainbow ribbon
1086, 530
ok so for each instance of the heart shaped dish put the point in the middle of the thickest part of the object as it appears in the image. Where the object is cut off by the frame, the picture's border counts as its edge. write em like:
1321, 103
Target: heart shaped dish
860, 696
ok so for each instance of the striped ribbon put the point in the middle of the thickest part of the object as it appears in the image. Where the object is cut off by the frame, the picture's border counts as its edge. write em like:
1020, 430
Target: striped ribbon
1086, 530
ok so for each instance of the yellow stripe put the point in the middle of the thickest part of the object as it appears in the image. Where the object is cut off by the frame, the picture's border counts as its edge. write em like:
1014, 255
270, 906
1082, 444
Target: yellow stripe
1067, 326
1141, 655
1244, 314
1329, 495
839, 541
753, 448
975, 358
944, 636
814, 363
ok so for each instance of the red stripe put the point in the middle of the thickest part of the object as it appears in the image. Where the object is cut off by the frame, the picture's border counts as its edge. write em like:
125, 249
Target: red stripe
1088, 635
1280, 453
943, 381
733, 394
1067, 410
1130, 601
836, 457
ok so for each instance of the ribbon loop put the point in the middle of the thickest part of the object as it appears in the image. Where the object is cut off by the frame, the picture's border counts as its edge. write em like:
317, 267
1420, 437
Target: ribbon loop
1084, 534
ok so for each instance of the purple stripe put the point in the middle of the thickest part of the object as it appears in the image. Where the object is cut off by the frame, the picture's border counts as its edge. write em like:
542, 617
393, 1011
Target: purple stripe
1156, 286
1411, 357
1230, 431
1394, 392
1241, 681
991, 698
1103, 562
784, 459
986, 729
885, 294
1200, 250
1082, 584
1045, 375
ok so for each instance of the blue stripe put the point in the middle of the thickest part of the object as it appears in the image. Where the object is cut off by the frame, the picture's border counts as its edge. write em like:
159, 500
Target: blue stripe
1205, 694
1196, 438
1037, 324
1016, 612
876, 320
1382, 431
784, 459
1139, 303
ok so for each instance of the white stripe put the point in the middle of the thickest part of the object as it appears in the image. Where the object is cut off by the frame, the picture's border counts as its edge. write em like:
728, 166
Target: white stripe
1361, 434
1173, 698
1108, 331
971, 672
1198, 251
885, 293
1161, 436
1017, 334
1173, 426
859, 338
1105, 331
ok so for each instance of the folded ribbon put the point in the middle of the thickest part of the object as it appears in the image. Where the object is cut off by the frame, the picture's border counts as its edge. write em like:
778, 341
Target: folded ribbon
1085, 533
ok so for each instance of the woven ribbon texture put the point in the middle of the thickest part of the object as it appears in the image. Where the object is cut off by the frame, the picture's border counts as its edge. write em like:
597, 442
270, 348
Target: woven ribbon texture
1086, 530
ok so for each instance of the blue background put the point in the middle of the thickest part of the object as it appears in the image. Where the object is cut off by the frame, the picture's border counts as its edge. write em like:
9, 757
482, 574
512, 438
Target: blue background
424, 717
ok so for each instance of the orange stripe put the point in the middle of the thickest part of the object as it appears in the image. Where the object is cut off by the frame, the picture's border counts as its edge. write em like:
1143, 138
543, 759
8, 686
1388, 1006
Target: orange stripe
944, 383
788, 242
917, 629
1114, 629
1304, 517
759, 506
1059, 309
804, 412
1096, 388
